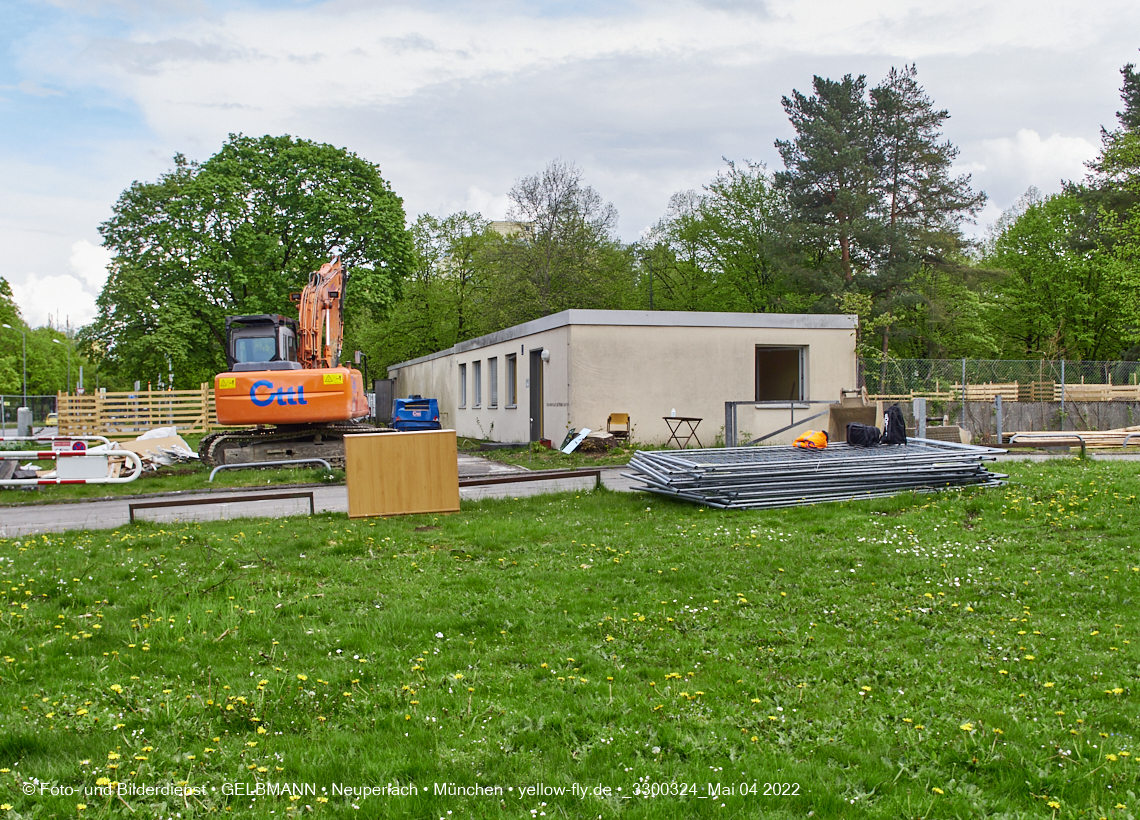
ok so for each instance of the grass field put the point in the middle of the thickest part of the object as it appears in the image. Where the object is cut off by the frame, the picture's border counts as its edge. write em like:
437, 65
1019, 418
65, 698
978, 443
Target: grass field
957, 655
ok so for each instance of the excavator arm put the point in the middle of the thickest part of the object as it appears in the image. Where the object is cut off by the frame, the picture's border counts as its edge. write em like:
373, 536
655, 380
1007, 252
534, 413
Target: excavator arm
321, 323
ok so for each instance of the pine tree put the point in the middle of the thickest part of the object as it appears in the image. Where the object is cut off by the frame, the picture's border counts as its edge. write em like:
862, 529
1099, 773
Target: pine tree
830, 169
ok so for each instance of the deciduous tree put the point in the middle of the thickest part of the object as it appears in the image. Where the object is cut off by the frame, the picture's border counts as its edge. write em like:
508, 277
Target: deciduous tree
235, 235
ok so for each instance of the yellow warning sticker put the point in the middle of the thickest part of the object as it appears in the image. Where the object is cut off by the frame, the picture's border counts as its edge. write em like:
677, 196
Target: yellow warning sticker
334, 378
227, 382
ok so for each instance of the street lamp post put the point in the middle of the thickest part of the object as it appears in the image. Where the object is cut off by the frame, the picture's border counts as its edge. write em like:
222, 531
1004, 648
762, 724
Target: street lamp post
58, 342
25, 335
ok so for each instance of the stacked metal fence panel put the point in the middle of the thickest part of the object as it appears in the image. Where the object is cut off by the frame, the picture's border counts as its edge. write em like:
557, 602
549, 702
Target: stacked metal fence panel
768, 477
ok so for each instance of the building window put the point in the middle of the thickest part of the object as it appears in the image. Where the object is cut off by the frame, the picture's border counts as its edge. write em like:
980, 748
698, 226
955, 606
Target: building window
493, 378
462, 385
477, 383
512, 380
780, 374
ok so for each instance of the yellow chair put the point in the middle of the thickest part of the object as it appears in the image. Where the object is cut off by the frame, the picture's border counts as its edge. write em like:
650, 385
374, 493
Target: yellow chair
622, 420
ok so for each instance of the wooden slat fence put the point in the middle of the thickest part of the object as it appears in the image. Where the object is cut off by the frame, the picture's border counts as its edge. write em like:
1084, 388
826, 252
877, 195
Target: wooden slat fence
127, 415
1020, 391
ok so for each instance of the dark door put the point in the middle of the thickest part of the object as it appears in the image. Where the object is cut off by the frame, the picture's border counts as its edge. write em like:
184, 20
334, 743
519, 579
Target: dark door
536, 398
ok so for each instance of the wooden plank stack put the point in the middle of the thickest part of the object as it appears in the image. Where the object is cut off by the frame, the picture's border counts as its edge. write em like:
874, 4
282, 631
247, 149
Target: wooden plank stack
1093, 439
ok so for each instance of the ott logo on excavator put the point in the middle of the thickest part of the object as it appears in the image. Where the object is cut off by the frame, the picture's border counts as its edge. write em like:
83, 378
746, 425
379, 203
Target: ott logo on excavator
284, 395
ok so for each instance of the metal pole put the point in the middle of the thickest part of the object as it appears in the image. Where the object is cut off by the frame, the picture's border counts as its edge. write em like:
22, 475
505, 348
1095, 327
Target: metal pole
963, 392
997, 411
1062, 394
729, 424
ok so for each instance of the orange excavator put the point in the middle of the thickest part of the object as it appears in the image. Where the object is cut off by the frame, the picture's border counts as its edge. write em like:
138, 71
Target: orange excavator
285, 377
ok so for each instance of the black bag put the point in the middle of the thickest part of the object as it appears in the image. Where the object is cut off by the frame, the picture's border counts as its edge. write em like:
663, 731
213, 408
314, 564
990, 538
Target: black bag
894, 426
862, 435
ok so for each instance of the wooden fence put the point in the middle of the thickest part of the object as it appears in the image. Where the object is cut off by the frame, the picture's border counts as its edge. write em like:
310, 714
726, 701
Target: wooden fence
127, 415
1020, 391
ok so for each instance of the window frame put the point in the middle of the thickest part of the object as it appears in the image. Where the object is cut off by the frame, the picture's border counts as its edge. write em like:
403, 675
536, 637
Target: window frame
512, 380
802, 373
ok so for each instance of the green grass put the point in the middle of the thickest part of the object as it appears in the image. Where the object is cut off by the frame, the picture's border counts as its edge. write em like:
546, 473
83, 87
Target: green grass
956, 655
188, 477
541, 458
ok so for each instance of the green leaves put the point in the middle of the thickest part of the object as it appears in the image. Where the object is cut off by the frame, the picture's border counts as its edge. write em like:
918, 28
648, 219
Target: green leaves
1067, 293
235, 235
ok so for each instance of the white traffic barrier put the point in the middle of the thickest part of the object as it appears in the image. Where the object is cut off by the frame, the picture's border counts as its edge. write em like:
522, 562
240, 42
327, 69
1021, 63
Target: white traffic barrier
70, 448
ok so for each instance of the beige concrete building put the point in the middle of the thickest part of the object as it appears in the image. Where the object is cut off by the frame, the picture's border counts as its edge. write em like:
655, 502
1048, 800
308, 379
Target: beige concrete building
573, 369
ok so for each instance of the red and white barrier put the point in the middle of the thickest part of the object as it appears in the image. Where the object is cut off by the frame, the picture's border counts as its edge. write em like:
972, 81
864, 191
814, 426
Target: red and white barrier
76, 447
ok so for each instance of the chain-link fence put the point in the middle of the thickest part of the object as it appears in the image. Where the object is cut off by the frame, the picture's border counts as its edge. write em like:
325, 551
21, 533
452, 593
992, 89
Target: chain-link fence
1036, 394
41, 406
1012, 379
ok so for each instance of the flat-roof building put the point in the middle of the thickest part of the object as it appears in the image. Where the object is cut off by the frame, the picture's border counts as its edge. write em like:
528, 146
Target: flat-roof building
573, 369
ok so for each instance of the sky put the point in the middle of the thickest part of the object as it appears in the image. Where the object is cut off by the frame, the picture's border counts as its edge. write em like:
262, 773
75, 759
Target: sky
455, 101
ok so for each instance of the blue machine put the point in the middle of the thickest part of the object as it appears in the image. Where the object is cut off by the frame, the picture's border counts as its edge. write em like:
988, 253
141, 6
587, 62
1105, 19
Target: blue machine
416, 413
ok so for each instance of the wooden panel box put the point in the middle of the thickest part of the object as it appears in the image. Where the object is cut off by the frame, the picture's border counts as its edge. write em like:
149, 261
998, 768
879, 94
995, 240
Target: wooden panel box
401, 473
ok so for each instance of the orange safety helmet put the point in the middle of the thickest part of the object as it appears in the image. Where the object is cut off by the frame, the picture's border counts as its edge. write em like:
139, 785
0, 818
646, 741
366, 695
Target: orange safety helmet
812, 440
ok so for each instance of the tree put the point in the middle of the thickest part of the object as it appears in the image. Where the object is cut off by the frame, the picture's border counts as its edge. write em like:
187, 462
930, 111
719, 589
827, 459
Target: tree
871, 193
1130, 93
11, 353
921, 206
1065, 294
564, 253
924, 205
235, 235
443, 301
725, 248
830, 170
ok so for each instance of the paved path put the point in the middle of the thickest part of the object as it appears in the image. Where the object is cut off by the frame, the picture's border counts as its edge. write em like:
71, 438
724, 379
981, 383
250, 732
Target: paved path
112, 514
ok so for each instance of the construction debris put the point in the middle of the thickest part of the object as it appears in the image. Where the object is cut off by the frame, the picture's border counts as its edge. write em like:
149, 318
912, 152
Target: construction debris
599, 442
160, 447
769, 477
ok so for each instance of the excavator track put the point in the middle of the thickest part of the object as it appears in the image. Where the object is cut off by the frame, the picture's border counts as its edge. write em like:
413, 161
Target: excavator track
282, 443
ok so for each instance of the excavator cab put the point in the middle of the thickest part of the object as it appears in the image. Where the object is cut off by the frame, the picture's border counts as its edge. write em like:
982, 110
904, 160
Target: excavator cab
263, 342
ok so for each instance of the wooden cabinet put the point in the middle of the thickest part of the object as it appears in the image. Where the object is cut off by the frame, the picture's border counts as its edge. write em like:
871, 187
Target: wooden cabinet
401, 473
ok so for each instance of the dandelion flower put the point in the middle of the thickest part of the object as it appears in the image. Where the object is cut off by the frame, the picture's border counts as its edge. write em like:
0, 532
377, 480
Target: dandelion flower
967, 727
937, 790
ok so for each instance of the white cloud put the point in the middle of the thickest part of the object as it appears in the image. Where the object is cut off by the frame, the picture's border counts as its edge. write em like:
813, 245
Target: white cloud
42, 296
492, 206
89, 262
1007, 166
456, 101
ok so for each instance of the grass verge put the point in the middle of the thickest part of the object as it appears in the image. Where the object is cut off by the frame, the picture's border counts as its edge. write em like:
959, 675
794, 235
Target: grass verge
959, 655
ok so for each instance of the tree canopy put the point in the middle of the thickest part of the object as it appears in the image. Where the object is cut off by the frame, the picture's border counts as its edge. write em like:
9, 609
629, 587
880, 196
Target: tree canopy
235, 235
867, 215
